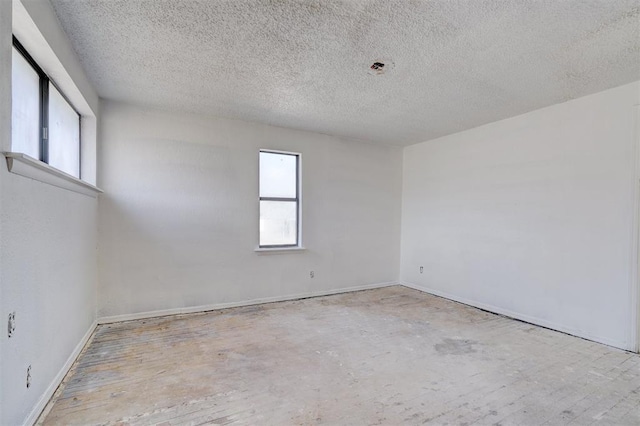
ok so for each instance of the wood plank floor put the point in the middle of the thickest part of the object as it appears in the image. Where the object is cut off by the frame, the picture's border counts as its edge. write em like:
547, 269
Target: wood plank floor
387, 356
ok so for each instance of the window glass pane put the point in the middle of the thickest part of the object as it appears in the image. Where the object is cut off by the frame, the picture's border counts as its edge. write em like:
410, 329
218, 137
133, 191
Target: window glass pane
25, 107
277, 175
278, 223
64, 134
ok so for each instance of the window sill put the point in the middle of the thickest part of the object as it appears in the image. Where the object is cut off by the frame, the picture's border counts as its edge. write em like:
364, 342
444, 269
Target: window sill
23, 165
279, 250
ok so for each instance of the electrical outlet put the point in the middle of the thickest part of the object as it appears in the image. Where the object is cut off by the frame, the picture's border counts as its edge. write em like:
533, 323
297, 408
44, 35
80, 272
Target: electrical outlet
312, 274
11, 325
421, 269
29, 376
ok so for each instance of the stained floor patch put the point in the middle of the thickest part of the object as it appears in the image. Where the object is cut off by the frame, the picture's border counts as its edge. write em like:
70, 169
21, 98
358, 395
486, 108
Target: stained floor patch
455, 347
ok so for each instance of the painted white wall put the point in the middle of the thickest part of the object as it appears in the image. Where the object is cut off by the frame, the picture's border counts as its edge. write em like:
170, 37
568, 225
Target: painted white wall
531, 216
179, 218
48, 261
5, 143
49, 271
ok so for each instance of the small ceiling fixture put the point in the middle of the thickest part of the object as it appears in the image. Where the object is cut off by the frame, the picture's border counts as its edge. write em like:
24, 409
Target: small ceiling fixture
380, 66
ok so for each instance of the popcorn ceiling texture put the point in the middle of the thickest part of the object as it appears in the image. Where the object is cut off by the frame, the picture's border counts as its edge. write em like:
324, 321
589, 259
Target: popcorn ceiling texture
303, 64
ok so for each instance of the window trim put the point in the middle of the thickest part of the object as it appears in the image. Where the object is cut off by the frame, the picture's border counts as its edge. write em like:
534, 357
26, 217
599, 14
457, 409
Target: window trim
45, 81
297, 200
23, 165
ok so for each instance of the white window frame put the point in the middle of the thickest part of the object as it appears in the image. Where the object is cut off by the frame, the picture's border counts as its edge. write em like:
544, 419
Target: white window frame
34, 24
45, 84
298, 199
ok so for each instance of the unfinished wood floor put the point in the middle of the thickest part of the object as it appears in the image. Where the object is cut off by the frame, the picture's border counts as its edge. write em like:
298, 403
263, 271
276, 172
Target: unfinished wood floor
387, 356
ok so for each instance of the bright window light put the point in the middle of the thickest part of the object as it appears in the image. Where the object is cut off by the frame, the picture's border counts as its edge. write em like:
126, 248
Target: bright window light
279, 199
25, 107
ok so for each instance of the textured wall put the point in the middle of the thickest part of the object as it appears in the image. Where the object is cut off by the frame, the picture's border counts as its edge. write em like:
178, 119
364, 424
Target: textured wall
531, 216
49, 270
48, 260
179, 217
5, 141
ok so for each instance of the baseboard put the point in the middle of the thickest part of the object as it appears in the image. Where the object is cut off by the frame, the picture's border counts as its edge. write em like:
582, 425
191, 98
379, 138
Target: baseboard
522, 317
216, 306
46, 396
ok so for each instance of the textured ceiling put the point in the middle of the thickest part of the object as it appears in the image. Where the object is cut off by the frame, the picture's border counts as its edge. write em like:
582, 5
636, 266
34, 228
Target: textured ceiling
302, 64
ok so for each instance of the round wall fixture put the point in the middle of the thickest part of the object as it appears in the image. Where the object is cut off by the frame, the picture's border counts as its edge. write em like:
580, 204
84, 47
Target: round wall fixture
380, 66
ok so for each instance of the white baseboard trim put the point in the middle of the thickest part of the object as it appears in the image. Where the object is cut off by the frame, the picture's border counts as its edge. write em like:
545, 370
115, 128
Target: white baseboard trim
46, 396
522, 317
226, 305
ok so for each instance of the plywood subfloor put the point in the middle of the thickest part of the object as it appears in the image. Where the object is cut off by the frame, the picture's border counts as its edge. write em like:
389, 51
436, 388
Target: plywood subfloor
387, 356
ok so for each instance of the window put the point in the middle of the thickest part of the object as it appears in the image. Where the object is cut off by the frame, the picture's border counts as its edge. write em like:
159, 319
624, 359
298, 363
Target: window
279, 199
45, 125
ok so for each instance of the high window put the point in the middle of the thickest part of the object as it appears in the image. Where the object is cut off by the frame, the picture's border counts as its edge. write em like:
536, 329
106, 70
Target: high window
45, 125
279, 199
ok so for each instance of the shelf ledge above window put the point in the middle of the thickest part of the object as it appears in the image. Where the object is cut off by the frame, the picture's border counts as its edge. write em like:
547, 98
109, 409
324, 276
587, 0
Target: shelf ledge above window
24, 165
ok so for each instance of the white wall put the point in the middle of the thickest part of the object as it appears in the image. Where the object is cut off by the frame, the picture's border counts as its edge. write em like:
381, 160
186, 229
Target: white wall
48, 261
49, 269
531, 216
5, 143
179, 218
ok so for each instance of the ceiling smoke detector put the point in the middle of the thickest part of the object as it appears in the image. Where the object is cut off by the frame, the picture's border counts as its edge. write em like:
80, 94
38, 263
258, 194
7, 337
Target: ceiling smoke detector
380, 66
